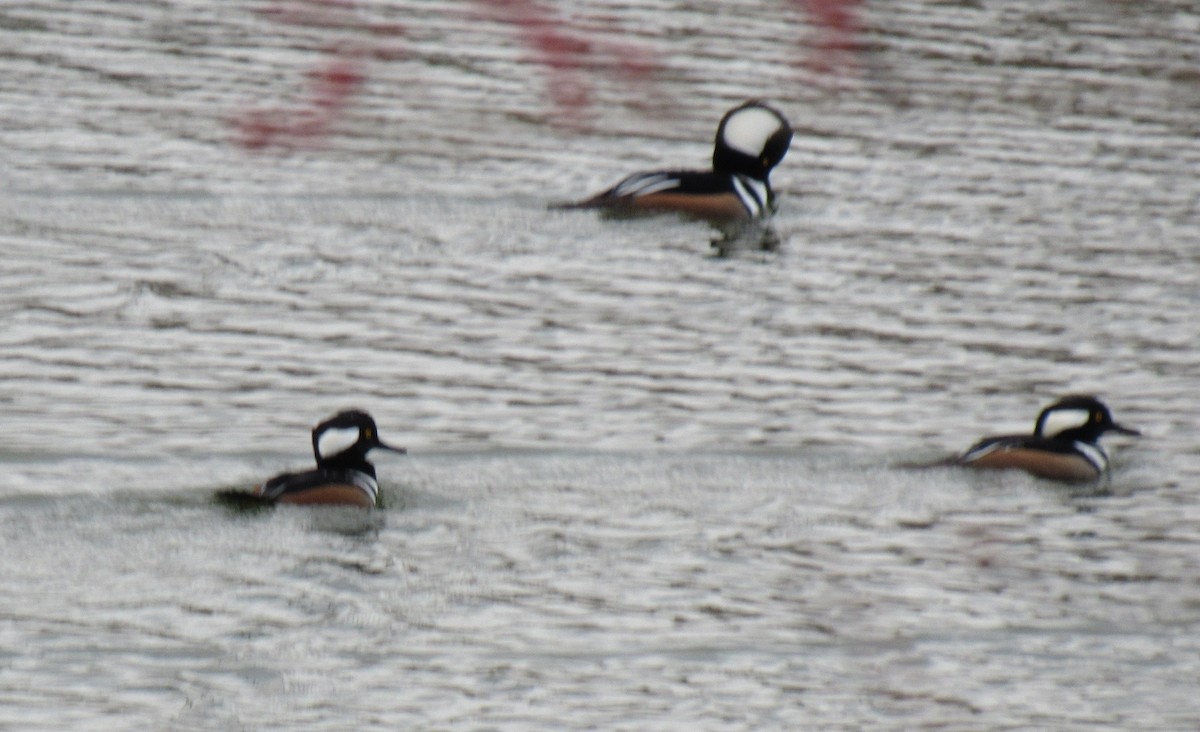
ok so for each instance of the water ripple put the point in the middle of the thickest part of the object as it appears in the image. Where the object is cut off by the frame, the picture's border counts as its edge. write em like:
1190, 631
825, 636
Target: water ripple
651, 481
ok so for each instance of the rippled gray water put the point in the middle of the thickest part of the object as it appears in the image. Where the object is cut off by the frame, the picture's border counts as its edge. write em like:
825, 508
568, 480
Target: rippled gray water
649, 487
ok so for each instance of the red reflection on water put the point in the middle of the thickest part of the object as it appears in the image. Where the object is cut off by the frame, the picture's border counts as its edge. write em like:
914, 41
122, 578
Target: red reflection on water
567, 55
840, 32
331, 84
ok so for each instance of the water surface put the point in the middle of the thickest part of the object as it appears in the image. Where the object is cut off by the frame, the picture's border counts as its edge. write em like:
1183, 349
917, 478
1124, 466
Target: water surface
649, 486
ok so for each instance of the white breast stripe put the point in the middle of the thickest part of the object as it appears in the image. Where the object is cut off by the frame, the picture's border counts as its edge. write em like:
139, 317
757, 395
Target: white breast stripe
366, 482
334, 440
753, 193
1094, 454
644, 185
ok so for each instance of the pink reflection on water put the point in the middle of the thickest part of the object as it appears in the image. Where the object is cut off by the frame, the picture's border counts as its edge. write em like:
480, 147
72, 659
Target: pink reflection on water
331, 85
837, 22
568, 56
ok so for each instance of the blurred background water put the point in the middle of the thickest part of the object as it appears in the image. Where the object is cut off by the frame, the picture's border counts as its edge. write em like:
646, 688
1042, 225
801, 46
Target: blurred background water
652, 483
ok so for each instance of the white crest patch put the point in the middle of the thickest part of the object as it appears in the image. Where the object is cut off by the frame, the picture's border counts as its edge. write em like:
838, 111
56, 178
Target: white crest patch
334, 440
748, 130
1058, 420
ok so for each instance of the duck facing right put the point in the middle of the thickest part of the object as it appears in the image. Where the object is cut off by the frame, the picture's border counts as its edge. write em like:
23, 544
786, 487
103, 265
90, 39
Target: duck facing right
1064, 446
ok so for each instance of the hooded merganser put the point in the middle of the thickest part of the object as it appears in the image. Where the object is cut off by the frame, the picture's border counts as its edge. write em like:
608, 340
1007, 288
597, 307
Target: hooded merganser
751, 140
1064, 444
343, 475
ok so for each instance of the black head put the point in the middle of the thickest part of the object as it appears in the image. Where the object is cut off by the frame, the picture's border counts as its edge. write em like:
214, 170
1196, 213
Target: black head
343, 441
1078, 417
751, 140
